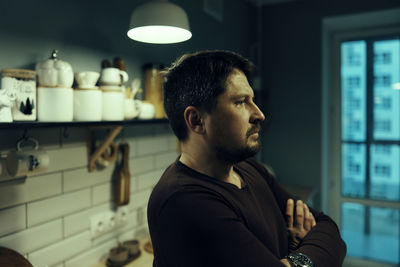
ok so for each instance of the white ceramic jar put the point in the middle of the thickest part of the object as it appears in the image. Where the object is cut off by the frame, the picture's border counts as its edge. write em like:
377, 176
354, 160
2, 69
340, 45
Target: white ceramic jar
21, 88
55, 104
54, 72
88, 105
113, 103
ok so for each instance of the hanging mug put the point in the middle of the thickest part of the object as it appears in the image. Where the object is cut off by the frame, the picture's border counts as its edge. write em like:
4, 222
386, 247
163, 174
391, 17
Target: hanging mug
22, 162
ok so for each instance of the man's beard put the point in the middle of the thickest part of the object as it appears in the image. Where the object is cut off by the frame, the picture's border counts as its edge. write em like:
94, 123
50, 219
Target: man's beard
234, 154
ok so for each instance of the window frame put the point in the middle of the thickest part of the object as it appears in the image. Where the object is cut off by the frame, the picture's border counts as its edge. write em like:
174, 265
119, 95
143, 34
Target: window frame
335, 31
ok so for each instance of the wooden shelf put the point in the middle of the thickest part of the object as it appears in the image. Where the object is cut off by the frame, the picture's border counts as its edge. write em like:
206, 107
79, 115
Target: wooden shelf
38, 124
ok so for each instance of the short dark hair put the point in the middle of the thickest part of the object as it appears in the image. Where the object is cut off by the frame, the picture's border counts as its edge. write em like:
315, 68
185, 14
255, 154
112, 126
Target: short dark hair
197, 80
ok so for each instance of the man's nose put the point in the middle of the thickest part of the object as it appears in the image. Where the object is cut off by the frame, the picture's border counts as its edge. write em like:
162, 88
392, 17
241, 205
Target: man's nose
257, 114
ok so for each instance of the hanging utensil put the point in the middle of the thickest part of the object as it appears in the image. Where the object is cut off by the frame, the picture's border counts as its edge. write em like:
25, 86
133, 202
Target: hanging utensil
122, 178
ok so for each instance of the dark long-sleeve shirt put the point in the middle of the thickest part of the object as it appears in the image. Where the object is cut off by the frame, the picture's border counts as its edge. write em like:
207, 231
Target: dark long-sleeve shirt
196, 220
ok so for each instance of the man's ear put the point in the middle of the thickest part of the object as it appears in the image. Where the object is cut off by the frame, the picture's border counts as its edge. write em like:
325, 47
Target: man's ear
194, 119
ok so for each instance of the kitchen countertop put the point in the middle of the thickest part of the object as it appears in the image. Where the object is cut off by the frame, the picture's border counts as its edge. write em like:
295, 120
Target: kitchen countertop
144, 260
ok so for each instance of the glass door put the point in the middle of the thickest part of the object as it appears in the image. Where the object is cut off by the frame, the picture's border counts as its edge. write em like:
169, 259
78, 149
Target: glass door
368, 194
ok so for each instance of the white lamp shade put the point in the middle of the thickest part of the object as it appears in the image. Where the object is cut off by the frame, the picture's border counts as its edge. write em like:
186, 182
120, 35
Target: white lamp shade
159, 22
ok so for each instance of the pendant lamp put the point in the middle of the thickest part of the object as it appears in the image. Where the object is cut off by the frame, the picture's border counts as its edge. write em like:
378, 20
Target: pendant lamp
159, 22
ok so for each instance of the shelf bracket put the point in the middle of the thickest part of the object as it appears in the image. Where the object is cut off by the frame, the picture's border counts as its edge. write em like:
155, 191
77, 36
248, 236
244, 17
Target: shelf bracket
96, 153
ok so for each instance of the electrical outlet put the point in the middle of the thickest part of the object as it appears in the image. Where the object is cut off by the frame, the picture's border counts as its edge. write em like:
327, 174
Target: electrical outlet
108, 217
122, 215
97, 225
107, 221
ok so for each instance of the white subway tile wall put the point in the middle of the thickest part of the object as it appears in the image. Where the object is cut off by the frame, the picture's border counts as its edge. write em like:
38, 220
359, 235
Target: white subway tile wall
55, 207
82, 178
85, 259
46, 217
27, 190
8, 224
101, 193
148, 179
33, 238
60, 251
78, 222
141, 164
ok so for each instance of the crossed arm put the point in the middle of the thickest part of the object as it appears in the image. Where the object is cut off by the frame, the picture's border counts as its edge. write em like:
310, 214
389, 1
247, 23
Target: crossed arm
198, 227
321, 242
299, 224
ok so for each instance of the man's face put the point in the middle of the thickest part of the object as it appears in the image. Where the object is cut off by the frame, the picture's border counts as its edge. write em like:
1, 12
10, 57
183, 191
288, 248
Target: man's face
233, 125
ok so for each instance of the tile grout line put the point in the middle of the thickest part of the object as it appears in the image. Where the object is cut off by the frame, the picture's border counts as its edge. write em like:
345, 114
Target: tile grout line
57, 195
62, 182
26, 215
63, 227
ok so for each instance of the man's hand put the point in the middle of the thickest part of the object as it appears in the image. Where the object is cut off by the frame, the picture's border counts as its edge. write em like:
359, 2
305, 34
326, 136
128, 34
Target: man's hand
300, 224
286, 262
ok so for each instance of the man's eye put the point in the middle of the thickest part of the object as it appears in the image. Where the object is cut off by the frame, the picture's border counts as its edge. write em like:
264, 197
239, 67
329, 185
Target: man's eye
239, 102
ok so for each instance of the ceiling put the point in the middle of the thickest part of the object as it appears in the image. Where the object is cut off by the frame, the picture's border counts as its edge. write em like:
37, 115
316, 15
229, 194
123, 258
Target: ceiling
268, 2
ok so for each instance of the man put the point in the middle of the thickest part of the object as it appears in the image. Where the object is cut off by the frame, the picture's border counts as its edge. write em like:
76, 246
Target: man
214, 206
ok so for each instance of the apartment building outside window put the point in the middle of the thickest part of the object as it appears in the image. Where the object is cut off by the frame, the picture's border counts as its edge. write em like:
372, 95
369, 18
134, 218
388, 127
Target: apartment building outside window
370, 140
361, 134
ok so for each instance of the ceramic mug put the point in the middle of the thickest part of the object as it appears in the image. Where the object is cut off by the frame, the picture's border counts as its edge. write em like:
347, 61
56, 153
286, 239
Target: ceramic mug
131, 108
113, 76
23, 162
87, 79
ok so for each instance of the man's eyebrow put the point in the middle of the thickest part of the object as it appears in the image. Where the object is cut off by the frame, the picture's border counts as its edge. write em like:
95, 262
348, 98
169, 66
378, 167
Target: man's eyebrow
237, 96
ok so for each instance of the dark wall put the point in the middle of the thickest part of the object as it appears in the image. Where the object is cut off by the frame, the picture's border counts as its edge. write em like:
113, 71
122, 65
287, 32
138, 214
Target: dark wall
100, 27
292, 37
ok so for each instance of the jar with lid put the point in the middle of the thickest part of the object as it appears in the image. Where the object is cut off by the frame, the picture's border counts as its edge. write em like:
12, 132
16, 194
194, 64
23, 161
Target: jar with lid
153, 88
21, 84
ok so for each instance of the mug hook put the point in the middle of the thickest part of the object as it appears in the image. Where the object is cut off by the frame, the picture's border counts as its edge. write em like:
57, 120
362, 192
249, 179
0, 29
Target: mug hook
26, 139
24, 135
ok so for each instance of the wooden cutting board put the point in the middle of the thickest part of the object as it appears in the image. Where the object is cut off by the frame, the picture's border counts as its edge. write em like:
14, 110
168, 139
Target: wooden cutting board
122, 178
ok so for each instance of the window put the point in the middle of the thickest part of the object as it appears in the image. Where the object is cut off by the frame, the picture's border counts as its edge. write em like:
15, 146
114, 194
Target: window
382, 170
353, 82
370, 232
383, 57
383, 126
383, 103
361, 134
382, 81
370, 116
